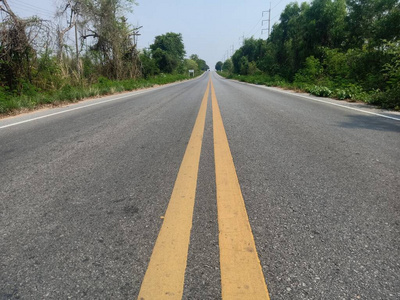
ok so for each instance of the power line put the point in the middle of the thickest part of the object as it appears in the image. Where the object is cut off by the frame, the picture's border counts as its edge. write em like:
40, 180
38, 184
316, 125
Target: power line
35, 7
277, 4
254, 32
275, 17
31, 9
29, 12
254, 26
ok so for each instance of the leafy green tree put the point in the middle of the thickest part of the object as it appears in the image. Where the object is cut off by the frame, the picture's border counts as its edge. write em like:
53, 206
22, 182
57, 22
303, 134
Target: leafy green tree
253, 50
342, 44
200, 62
228, 66
204, 66
190, 64
252, 69
244, 65
336, 65
168, 50
236, 60
390, 96
165, 61
289, 45
311, 72
326, 23
148, 64
372, 21
218, 66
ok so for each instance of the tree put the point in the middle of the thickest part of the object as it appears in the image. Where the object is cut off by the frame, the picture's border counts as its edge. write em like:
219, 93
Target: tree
168, 51
372, 21
70, 9
190, 64
244, 65
218, 66
17, 48
228, 66
113, 36
346, 45
165, 61
200, 62
148, 64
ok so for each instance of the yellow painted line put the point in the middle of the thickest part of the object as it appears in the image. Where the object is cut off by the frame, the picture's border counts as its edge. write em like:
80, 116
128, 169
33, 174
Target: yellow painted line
241, 273
165, 275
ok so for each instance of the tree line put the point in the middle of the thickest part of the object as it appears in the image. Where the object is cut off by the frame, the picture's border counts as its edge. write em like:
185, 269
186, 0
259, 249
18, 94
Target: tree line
88, 41
345, 48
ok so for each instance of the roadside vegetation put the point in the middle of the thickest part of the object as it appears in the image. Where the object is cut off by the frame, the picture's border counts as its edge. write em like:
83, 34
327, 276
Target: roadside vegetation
330, 48
87, 50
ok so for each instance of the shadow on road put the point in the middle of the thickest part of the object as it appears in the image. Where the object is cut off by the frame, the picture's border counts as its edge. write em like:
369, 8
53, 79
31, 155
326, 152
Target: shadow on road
371, 123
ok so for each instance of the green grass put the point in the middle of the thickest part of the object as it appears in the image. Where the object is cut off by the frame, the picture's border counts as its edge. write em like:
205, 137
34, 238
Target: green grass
10, 103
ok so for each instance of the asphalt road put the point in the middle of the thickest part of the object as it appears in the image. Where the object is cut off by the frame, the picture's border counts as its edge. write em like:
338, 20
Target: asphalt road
84, 190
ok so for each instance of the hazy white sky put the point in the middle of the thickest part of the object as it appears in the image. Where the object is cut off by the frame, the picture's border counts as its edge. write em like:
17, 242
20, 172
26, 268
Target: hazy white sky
209, 27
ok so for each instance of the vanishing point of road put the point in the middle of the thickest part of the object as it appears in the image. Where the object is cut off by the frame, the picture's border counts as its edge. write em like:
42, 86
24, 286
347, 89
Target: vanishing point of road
204, 189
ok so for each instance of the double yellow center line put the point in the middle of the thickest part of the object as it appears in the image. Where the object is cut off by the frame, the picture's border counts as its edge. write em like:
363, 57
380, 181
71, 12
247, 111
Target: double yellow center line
241, 273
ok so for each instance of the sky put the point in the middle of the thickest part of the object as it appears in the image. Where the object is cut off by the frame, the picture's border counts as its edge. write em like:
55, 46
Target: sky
210, 28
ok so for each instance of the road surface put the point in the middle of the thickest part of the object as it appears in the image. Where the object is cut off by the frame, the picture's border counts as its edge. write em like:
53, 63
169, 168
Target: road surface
167, 192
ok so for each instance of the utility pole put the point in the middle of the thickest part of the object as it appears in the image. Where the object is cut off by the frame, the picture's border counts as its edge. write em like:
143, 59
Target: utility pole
78, 65
268, 20
75, 12
136, 34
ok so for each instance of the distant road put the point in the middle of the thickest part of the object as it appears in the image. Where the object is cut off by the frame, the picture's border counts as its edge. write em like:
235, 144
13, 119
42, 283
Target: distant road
167, 192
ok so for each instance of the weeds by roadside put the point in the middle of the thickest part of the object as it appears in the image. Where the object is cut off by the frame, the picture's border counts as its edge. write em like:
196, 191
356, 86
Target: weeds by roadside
10, 102
349, 92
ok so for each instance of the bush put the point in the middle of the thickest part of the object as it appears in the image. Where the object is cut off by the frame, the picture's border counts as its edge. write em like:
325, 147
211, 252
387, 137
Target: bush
244, 65
48, 73
252, 69
320, 91
26, 88
311, 72
336, 65
341, 94
387, 99
3, 100
3, 94
103, 82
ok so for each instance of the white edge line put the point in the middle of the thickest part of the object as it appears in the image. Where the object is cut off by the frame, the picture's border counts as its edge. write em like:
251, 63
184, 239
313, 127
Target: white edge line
318, 100
131, 94
336, 104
